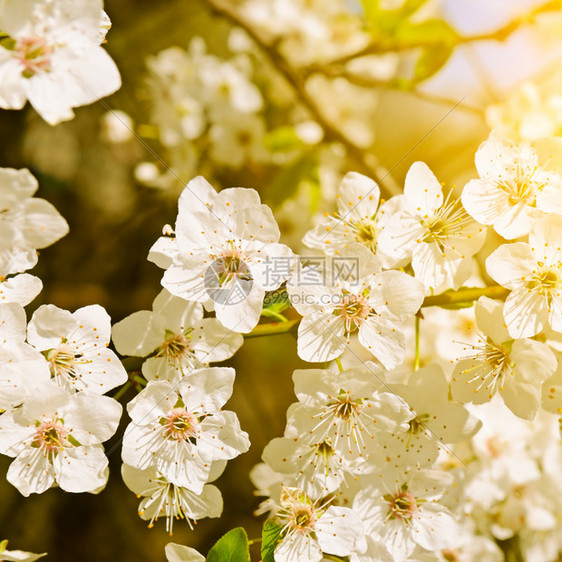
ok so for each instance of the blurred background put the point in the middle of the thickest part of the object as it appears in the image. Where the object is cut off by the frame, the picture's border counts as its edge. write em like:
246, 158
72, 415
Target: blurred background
284, 96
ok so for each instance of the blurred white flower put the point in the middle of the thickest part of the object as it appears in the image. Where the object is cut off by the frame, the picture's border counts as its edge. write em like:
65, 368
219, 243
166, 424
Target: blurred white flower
54, 59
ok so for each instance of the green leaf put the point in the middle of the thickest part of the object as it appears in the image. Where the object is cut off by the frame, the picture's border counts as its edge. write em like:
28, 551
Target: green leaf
282, 139
269, 539
276, 301
426, 33
232, 547
431, 61
3, 545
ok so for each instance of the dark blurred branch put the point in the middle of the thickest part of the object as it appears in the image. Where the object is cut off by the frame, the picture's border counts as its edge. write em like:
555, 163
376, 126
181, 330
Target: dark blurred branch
298, 82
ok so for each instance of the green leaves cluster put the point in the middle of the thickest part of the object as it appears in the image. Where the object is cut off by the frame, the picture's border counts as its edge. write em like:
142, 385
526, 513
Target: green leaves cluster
395, 30
234, 546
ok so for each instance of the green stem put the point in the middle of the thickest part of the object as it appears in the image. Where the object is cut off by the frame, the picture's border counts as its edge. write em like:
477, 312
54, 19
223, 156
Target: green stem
122, 390
272, 314
466, 296
461, 296
340, 366
417, 356
273, 329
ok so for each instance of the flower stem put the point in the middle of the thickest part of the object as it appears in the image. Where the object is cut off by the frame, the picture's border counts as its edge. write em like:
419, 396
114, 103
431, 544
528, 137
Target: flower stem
340, 366
453, 299
272, 314
273, 328
122, 390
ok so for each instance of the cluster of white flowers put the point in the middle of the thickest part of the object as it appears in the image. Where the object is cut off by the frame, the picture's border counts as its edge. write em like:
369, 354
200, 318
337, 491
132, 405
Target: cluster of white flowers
55, 369
197, 96
433, 436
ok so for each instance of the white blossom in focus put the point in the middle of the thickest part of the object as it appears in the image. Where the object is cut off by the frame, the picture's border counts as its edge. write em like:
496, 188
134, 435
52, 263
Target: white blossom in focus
176, 336
310, 528
514, 368
161, 498
359, 218
56, 438
512, 191
402, 511
372, 302
75, 344
224, 254
27, 223
435, 232
180, 430
22, 368
533, 273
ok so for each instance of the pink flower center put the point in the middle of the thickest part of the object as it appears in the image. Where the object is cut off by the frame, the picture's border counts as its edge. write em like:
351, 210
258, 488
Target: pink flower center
180, 425
401, 505
35, 55
354, 309
50, 437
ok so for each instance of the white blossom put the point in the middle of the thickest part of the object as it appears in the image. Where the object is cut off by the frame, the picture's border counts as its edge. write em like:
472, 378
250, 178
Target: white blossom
514, 368
310, 528
402, 511
435, 232
224, 253
372, 303
75, 344
175, 336
533, 273
27, 223
181, 430
56, 438
54, 58
513, 191
161, 498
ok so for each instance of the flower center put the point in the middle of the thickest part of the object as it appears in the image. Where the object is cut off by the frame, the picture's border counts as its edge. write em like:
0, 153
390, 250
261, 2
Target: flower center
180, 425
521, 186
50, 437
35, 55
366, 233
449, 220
546, 282
231, 265
354, 309
401, 505
344, 406
176, 346
418, 424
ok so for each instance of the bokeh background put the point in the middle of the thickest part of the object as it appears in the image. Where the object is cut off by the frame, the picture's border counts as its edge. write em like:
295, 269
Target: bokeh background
116, 193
